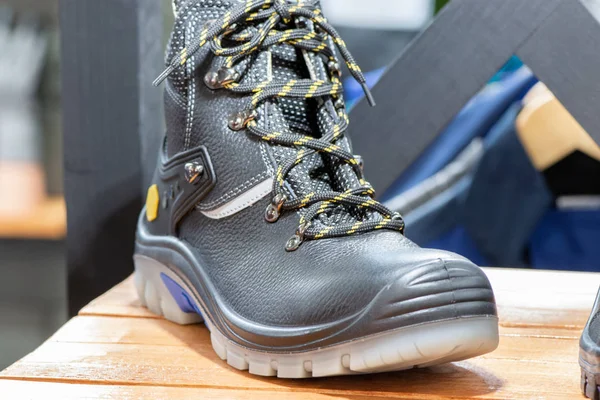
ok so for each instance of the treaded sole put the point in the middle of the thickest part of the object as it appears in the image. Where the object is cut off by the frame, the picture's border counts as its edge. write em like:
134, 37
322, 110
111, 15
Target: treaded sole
589, 381
416, 346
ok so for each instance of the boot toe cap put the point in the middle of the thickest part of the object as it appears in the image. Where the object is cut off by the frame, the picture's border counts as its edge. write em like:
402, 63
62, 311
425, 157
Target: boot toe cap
443, 286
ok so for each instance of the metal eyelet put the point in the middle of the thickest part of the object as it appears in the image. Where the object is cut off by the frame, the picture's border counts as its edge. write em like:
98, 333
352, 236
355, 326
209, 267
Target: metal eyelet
361, 162
232, 28
302, 23
339, 103
335, 68
396, 216
227, 75
211, 80
273, 211
238, 121
193, 171
293, 244
216, 80
295, 241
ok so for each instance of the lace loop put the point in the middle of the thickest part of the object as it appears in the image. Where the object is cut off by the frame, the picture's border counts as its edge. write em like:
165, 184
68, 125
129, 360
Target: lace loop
282, 9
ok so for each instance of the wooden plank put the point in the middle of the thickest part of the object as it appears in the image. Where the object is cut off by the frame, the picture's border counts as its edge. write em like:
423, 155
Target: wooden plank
144, 351
515, 372
543, 298
26, 390
120, 301
541, 332
160, 332
142, 331
541, 313
524, 297
48, 221
533, 360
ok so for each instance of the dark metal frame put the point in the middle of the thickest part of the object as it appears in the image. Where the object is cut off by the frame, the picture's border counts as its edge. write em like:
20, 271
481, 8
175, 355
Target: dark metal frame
111, 52
453, 59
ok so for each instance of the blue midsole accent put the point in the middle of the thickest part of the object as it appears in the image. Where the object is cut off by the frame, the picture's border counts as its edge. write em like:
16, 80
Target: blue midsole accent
180, 295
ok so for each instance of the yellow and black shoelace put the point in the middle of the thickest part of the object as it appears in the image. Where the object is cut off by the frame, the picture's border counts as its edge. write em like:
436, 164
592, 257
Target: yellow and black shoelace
239, 26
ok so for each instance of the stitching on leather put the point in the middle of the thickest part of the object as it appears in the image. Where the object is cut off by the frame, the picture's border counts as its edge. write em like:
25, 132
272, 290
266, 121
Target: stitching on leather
234, 192
191, 97
246, 185
235, 210
265, 157
175, 97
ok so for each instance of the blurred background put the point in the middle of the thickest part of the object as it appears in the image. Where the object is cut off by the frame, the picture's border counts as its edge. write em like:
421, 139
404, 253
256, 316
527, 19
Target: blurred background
32, 213
548, 189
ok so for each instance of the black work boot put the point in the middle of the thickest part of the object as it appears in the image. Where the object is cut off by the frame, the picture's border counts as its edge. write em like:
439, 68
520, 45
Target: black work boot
260, 222
589, 353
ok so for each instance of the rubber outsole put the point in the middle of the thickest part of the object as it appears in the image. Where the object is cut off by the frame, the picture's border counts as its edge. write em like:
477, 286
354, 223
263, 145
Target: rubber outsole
589, 379
414, 346
589, 355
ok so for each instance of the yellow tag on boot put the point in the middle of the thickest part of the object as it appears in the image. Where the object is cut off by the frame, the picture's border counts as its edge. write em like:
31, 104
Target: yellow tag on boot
152, 201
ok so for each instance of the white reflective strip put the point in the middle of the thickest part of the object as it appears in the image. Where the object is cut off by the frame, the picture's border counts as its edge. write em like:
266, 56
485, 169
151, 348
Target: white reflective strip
410, 15
243, 201
578, 202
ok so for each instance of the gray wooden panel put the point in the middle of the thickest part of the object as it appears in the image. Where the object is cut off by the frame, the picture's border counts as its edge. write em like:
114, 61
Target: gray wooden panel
151, 116
108, 61
564, 53
445, 66
45, 7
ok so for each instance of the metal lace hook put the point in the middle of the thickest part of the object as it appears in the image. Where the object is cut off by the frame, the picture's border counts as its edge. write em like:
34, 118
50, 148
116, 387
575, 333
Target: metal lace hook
295, 241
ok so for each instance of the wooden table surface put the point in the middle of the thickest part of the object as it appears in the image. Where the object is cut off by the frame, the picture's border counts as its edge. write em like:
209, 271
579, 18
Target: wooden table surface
115, 349
47, 221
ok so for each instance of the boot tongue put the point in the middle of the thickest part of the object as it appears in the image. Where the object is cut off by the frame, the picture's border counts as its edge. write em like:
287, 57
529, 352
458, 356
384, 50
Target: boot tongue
287, 64
319, 172
298, 116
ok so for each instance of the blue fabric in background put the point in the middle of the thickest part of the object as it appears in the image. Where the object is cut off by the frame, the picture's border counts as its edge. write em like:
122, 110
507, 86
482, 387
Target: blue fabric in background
567, 240
507, 198
439, 215
489, 216
475, 120
503, 212
437, 224
504, 215
513, 64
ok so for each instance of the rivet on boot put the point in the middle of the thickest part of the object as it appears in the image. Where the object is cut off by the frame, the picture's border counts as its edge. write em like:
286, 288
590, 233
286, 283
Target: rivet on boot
193, 171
